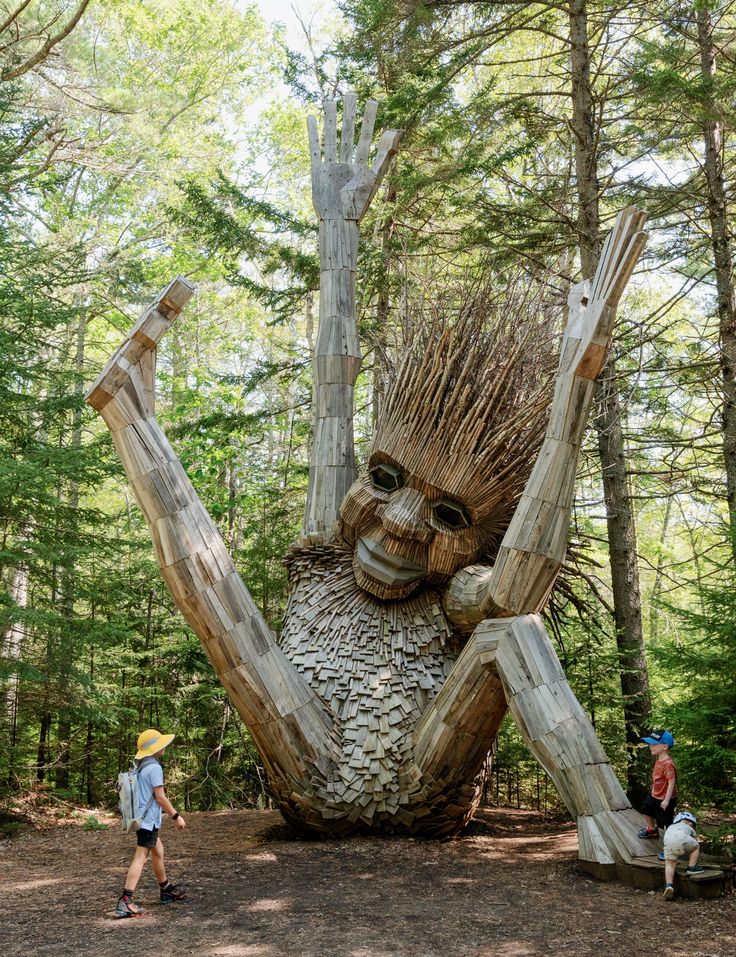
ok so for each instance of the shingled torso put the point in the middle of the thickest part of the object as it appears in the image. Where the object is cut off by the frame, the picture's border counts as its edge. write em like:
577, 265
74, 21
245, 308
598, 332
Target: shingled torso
376, 665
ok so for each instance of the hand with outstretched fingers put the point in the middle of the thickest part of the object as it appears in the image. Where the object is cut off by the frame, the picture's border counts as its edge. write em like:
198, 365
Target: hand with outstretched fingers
343, 184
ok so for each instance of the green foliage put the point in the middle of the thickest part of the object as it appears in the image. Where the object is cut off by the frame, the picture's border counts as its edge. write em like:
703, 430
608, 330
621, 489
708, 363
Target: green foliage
700, 664
240, 230
9, 829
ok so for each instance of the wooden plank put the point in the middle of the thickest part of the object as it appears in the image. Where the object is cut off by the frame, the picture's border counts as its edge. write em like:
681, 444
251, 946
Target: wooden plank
366, 132
347, 138
330, 131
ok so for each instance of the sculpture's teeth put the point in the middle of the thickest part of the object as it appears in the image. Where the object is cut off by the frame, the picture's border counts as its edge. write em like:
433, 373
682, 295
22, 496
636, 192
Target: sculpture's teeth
389, 569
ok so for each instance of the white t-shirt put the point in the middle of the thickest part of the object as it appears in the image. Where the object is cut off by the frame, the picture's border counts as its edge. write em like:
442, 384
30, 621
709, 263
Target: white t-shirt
679, 840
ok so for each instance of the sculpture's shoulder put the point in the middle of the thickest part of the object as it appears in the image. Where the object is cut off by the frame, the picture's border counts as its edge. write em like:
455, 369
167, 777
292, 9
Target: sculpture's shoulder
312, 558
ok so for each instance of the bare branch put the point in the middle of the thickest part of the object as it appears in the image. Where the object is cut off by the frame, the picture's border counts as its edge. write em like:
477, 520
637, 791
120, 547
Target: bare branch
40, 55
13, 16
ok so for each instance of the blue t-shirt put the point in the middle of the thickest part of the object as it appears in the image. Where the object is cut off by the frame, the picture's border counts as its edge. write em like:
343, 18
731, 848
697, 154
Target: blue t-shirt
150, 776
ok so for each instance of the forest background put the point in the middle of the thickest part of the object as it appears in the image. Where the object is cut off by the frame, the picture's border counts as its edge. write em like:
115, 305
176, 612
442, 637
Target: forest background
141, 139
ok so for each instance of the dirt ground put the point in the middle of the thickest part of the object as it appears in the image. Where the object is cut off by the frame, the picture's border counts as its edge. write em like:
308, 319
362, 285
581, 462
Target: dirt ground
508, 888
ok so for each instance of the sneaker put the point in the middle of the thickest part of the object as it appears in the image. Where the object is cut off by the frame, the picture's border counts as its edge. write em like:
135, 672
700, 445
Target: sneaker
126, 908
646, 832
669, 892
172, 893
695, 869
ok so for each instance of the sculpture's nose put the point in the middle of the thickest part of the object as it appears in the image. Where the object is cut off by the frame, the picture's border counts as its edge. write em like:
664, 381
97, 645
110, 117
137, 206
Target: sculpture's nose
404, 516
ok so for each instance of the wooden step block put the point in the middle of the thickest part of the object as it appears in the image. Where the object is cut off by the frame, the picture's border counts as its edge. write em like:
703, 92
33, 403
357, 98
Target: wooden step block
647, 873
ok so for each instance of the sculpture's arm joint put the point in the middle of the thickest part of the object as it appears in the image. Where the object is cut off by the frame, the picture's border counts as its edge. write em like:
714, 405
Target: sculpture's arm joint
467, 599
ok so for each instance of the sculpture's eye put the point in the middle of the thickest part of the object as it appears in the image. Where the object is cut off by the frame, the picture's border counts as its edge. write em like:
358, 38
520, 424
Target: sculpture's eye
386, 477
449, 513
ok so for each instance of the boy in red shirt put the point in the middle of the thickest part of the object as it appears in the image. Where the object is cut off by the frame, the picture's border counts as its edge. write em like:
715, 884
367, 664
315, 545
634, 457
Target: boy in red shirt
659, 805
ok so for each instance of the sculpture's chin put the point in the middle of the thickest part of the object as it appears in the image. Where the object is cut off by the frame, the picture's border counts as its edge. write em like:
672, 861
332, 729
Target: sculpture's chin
382, 574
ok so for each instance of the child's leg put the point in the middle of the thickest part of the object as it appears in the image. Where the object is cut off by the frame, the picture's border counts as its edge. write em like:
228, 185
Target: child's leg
693, 859
651, 823
157, 862
136, 868
669, 872
169, 892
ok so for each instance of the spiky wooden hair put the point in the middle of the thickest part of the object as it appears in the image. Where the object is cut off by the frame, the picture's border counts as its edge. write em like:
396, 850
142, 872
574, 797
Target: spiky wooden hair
467, 403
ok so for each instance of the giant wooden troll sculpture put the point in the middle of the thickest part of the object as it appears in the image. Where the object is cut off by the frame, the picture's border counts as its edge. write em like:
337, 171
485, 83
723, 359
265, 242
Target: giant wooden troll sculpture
400, 654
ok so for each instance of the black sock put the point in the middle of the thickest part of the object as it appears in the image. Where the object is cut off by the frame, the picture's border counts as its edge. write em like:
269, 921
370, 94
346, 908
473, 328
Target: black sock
163, 884
127, 893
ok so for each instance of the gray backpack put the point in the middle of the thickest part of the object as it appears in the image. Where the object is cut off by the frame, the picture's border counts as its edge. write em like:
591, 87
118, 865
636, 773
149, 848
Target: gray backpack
127, 788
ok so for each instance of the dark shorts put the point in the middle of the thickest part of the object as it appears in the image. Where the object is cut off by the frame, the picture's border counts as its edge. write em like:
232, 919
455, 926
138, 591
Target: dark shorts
652, 807
147, 838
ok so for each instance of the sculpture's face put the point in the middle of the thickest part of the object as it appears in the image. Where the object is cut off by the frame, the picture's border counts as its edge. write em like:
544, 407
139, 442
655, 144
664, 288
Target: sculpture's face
406, 531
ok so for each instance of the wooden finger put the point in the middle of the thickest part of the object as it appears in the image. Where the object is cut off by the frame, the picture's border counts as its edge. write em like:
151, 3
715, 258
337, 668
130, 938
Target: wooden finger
348, 127
387, 147
366, 132
636, 244
619, 237
314, 148
330, 131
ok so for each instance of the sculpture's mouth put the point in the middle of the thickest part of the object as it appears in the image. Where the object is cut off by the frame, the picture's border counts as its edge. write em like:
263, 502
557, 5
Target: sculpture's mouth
377, 563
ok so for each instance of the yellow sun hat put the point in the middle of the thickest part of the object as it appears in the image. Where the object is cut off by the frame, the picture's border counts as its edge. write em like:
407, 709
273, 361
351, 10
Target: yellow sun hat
151, 742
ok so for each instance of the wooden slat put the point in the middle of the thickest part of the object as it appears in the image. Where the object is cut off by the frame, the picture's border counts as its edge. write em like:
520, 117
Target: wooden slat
347, 137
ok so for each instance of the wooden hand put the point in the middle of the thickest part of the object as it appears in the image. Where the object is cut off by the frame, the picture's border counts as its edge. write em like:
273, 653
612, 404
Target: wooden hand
343, 184
342, 188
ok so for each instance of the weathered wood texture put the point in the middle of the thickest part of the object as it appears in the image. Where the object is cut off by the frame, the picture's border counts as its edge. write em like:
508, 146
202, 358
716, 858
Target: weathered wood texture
511, 662
379, 665
647, 873
342, 189
290, 725
377, 710
559, 734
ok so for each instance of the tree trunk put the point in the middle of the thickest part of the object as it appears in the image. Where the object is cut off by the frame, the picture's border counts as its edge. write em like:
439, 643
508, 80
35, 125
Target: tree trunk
43, 736
625, 581
619, 511
68, 586
659, 574
12, 648
722, 256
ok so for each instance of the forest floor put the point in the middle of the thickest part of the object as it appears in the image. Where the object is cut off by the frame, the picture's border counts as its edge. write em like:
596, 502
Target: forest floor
508, 888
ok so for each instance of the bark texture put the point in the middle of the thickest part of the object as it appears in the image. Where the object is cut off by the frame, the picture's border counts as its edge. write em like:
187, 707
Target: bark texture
722, 255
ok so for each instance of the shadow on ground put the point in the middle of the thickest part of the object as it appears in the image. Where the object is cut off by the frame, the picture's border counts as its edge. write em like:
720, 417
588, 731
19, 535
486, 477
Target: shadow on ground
509, 888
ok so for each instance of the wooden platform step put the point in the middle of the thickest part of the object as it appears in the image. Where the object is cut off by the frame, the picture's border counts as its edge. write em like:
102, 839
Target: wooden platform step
647, 873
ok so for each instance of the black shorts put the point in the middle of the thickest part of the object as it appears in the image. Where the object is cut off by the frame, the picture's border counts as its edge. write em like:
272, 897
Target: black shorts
652, 807
147, 838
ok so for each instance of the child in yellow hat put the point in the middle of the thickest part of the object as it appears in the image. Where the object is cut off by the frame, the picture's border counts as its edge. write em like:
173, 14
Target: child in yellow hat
152, 801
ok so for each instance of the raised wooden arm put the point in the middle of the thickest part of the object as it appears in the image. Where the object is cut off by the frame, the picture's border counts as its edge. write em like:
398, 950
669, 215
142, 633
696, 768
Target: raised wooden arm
292, 728
534, 546
509, 661
343, 186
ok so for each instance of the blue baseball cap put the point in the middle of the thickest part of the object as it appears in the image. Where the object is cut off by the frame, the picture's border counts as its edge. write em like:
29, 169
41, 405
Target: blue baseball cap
659, 737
